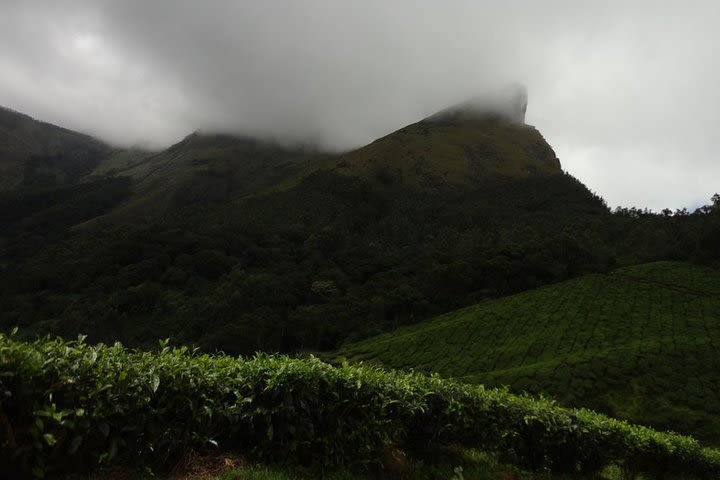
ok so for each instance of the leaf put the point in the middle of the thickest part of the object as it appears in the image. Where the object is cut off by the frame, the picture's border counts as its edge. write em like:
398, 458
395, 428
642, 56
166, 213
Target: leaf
155, 383
113, 450
104, 429
75, 444
49, 439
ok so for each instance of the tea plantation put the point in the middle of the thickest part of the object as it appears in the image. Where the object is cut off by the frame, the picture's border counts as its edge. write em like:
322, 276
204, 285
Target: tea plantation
640, 343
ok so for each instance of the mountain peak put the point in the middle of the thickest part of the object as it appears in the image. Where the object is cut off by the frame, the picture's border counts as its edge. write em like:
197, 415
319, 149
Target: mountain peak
508, 104
459, 147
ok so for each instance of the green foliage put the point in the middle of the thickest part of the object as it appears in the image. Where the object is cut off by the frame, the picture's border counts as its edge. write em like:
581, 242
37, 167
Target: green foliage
246, 276
69, 406
32, 217
324, 249
639, 343
228, 243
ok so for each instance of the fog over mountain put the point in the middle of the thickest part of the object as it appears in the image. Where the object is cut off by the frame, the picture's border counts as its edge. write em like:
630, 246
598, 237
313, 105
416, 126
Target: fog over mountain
624, 91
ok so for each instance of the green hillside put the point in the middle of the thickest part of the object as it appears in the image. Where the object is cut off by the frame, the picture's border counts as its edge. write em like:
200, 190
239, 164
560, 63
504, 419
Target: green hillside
638, 343
204, 168
37, 158
34, 154
457, 147
441, 153
242, 245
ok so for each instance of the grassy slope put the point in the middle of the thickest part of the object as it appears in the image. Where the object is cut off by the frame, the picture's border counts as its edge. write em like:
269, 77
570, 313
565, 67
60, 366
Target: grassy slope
34, 153
204, 168
119, 162
435, 154
38, 155
640, 343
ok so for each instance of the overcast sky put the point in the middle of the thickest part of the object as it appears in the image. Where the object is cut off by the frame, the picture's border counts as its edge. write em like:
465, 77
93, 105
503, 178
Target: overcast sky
625, 91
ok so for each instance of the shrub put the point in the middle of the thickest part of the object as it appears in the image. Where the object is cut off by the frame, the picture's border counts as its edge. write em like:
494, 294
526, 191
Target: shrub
69, 406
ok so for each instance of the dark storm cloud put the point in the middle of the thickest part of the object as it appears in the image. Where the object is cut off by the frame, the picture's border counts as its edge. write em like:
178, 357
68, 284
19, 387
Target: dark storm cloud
624, 91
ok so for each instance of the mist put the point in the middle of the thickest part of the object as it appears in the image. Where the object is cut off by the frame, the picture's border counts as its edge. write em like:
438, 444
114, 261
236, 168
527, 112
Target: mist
625, 92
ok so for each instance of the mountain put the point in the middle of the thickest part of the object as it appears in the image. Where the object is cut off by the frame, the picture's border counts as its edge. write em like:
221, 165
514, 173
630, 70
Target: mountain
238, 244
241, 244
52, 178
456, 148
208, 168
283, 248
435, 154
55, 179
638, 343
37, 154
452, 149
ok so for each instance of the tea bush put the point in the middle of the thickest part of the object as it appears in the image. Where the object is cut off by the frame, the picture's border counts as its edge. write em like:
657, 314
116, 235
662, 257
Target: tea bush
640, 342
67, 406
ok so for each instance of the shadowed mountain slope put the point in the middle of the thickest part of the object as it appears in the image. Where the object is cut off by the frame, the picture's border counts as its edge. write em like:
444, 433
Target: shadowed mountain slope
38, 154
453, 149
242, 244
208, 168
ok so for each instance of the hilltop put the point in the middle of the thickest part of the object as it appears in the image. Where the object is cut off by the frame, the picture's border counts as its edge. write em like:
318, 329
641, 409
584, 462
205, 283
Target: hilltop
435, 154
638, 343
206, 168
456, 149
36, 154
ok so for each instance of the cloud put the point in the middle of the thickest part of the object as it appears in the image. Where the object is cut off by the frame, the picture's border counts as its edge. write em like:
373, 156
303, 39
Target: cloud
624, 91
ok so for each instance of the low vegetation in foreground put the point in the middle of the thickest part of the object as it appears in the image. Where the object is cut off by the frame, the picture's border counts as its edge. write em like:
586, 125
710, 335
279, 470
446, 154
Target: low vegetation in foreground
70, 407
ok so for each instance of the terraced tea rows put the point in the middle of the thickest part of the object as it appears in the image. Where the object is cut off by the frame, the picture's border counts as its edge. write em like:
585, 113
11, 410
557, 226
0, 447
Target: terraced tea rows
641, 343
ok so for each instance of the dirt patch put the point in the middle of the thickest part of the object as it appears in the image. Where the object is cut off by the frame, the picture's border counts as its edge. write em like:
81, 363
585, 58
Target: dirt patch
196, 466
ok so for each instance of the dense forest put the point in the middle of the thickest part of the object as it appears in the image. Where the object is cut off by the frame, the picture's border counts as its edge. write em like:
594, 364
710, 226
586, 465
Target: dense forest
334, 258
238, 244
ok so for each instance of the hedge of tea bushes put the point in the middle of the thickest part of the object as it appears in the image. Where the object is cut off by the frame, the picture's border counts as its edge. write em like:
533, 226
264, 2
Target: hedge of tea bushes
67, 406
